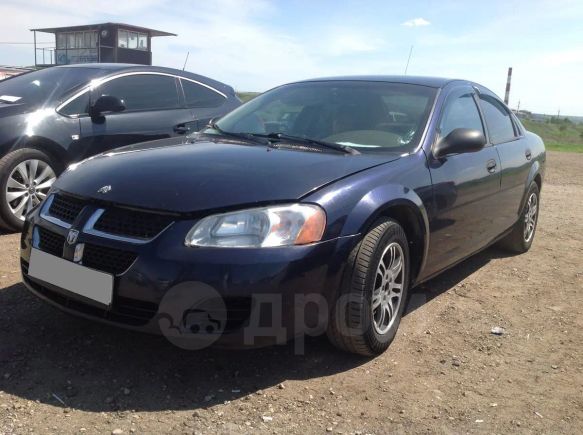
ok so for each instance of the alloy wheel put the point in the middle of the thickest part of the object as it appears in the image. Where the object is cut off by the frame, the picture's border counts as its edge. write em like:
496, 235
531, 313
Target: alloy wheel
388, 288
530, 217
28, 184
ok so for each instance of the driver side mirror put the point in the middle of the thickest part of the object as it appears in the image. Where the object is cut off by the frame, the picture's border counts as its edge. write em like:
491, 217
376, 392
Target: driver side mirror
106, 104
460, 140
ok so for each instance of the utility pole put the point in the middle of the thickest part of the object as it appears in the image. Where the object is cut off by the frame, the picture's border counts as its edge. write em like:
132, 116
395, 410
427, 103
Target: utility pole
507, 95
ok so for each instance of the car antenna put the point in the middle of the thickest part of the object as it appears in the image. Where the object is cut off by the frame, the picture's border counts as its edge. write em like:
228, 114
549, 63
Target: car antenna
185, 60
408, 59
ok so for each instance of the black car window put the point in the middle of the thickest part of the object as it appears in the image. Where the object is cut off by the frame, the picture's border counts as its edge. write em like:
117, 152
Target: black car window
370, 116
142, 91
461, 112
200, 96
79, 106
498, 120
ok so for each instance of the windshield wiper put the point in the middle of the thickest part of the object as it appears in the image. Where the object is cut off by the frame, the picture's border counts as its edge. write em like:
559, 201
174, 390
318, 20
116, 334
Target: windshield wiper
246, 136
323, 144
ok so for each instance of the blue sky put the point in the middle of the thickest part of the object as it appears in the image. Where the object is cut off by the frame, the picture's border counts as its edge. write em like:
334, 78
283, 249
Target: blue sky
257, 44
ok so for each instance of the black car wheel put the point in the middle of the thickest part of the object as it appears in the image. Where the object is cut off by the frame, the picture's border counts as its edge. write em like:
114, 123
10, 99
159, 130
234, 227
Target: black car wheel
26, 176
374, 292
522, 235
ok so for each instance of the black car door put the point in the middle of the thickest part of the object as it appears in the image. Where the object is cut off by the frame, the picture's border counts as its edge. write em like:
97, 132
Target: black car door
153, 110
515, 157
465, 188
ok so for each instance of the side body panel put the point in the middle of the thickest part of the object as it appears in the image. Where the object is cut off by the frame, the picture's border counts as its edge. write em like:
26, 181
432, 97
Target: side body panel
466, 207
44, 128
120, 129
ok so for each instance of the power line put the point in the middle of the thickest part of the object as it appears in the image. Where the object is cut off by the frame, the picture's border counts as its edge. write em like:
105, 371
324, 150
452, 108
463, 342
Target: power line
24, 43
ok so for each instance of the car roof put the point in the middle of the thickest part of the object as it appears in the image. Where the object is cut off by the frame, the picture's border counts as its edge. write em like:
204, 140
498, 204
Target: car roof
434, 82
112, 68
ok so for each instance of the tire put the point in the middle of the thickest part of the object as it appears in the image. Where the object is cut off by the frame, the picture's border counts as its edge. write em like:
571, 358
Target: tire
17, 194
520, 240
355, 326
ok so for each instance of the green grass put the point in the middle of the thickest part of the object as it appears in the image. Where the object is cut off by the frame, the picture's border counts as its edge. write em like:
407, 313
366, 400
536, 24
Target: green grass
563, 136
246, 96
570, 148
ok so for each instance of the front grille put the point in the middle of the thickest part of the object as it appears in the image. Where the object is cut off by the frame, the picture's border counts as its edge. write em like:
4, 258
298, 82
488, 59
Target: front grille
108, 260
66, 208
50, 242
131, 223
127, 311
238, 312
136, 309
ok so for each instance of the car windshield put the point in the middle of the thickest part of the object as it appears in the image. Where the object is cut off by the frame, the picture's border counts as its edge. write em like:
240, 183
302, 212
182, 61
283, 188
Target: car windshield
41, 87
367, 116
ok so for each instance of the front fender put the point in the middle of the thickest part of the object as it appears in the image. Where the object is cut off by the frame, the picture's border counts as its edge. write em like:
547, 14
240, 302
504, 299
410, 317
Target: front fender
376, 202
354, 203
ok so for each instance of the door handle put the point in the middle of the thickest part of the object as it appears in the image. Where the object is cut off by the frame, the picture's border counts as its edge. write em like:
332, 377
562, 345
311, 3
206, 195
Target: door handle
528, 154
181, 129
491, 166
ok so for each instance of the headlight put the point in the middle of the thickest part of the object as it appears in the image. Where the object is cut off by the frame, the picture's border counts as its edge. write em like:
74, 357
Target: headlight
295, 224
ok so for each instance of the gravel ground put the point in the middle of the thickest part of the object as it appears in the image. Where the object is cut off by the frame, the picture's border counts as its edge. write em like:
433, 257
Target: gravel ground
445, 372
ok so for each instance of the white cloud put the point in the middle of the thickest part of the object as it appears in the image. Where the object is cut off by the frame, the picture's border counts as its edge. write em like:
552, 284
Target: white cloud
341, 43
257, 44
416, 22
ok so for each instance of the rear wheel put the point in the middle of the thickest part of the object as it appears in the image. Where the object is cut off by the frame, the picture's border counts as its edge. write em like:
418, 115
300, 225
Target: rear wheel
26, 176
522, 235
374, 291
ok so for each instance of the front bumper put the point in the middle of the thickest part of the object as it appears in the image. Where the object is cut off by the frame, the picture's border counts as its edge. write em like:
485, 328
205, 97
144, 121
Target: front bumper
244, 278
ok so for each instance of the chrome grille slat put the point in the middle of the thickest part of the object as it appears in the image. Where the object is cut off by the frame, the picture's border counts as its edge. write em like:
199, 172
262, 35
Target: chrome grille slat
116, 223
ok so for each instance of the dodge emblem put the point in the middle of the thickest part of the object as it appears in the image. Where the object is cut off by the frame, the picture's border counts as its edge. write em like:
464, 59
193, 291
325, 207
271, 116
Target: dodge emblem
72, 237
104, 189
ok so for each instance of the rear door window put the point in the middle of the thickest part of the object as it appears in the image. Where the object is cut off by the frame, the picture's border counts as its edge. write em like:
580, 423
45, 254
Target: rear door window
498, 120
200, 96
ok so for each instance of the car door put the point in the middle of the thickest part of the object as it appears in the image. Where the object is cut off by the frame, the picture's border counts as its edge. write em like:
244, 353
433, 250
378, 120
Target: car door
153, 110
515, 157
465, 188
204, 102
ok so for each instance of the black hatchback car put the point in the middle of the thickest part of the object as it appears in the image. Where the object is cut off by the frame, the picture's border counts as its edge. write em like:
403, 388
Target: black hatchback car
52, 117
326, 200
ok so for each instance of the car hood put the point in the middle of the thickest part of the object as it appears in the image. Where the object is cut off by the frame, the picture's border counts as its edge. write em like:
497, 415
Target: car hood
182, 175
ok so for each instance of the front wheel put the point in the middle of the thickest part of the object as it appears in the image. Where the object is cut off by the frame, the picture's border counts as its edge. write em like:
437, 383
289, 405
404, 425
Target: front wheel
522, 235
368, 310
26, 175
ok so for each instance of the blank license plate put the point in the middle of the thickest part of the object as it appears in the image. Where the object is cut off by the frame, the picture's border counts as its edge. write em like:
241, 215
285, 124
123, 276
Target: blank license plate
92, 284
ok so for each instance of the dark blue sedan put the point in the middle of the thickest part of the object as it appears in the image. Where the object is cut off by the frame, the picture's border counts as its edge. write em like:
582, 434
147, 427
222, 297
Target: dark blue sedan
313, 208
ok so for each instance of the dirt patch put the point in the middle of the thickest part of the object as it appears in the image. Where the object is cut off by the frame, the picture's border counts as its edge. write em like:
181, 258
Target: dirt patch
446, 372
